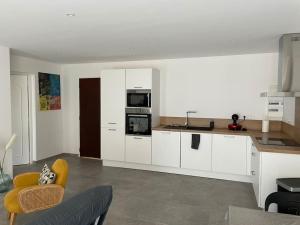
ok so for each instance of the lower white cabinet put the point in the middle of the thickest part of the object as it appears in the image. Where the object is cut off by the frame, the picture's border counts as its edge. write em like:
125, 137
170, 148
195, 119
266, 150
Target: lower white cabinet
199, 159
256, 173
113, 144
229, 154
269, 166
166, 148
138, 149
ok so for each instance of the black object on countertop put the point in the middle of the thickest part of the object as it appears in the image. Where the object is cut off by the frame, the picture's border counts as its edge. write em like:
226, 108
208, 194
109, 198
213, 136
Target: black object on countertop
195, 141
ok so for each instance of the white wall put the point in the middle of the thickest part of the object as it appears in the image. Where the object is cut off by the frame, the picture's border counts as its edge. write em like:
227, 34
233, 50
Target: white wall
214, 86
5, 106
49, 130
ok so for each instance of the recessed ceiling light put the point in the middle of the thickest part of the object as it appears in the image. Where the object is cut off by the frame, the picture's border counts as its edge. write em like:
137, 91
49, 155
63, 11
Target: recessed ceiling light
70, 14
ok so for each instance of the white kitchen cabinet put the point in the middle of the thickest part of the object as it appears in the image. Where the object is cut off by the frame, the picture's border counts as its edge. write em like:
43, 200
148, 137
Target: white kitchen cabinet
138, 149
113, 98
229, 154
166, 148
113, 144
196, 159
249, 155
256, 172
273, 166
139, 78
289, 110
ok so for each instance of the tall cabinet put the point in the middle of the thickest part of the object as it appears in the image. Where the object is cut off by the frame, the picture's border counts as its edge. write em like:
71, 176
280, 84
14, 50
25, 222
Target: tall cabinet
139, 148
113, 114
115, 145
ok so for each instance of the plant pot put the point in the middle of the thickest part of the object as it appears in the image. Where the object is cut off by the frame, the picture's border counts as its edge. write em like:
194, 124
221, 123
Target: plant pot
5, 182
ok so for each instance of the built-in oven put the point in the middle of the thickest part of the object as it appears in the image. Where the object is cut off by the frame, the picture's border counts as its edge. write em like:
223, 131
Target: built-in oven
139, 98
138, 121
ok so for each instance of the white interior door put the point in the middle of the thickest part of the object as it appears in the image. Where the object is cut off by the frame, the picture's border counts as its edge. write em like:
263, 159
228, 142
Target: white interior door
20, 121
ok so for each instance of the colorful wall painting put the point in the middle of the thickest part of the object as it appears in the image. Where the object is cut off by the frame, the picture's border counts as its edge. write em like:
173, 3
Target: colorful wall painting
49, 91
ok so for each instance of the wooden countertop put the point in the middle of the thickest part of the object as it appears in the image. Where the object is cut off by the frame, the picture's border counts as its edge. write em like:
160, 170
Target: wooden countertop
252, 133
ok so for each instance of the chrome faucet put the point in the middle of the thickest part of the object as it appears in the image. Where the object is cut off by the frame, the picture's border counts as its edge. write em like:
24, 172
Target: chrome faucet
187, 118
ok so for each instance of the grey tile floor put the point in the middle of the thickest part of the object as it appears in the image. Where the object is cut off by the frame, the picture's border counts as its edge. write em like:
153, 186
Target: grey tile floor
150, 198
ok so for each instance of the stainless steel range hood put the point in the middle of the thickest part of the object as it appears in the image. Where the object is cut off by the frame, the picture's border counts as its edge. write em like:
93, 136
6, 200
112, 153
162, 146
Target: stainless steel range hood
288, 67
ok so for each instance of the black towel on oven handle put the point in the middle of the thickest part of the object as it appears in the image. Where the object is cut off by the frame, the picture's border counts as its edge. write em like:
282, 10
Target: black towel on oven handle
195, 141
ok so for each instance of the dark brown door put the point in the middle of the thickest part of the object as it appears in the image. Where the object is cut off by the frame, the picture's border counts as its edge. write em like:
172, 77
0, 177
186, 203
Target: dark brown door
89, 96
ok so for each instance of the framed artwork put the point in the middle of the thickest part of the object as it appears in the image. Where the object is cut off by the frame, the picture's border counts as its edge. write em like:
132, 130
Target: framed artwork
49, 91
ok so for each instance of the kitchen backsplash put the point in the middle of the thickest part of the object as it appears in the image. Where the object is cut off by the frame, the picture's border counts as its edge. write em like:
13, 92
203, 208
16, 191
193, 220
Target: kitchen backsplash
219, 123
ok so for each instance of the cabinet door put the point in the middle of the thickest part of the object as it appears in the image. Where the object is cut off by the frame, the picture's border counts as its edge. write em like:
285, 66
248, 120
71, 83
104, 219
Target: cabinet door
255, 172
139, 79
113, 98
196, 159
113, 144
166, 148
138, 149
229, 154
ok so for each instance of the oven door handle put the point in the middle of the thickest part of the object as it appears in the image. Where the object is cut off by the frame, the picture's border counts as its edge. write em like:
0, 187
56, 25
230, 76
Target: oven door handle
136, 115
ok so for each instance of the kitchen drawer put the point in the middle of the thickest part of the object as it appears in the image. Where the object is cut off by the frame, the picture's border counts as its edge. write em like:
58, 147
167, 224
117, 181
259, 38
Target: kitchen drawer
138, 149
229, 154
166, 148
196, 159
113, 144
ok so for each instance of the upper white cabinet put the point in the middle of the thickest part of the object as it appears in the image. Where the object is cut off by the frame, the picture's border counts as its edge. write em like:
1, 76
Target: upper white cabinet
139, 78
197, 159
289, 109
229, 154
166, 148
138, 149
113, 98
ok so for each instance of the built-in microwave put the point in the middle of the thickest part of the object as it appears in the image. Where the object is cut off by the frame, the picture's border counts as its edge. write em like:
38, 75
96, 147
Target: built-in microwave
139, 98
138, 121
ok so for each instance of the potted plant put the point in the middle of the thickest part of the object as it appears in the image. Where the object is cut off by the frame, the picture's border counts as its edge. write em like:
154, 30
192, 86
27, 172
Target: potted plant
5, 179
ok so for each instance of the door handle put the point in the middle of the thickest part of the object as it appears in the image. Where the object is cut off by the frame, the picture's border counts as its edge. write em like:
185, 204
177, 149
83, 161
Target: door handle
112, 129
253, 154
253, 173
137, 138
112, 123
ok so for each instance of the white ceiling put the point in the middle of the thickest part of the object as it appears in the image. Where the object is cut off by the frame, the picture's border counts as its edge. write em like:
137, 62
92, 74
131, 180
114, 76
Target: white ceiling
111, 30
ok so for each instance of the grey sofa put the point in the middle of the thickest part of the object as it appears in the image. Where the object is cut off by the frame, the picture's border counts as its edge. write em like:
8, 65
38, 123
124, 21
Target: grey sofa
87, 208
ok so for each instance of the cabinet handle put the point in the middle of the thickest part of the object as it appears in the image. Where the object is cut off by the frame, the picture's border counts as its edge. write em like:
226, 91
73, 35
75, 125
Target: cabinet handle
253, 173
229, 136
137, 138
137, 87
112, 123
253, 154
112, 129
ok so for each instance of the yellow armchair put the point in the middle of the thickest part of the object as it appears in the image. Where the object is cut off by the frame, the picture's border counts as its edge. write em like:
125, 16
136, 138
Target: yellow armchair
27, 196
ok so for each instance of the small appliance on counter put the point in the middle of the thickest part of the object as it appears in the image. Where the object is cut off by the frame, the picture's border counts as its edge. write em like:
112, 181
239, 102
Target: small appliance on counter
235, 125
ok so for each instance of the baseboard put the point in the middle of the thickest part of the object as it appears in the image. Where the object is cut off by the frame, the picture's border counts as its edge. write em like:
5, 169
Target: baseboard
180, 171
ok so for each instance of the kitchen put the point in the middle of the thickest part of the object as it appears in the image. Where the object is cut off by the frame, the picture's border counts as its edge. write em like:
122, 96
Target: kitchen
222, 154
188, 110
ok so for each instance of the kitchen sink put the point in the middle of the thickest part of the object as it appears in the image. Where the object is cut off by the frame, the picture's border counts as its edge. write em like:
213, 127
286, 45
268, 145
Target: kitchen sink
180, 127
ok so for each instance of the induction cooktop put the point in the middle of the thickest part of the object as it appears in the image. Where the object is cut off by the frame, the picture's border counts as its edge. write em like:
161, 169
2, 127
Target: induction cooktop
277, 141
